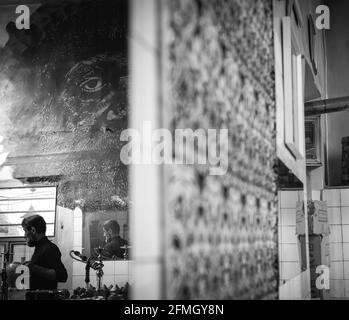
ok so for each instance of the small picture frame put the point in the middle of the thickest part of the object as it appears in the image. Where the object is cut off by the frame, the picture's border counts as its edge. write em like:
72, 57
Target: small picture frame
312, 141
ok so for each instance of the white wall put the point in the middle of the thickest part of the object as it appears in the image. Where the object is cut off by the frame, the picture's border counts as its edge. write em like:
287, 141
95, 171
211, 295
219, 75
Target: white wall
338, 214
294, 284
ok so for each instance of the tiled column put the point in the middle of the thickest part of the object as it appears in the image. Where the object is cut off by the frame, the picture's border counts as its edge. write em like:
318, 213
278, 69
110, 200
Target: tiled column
145, 179
78, 267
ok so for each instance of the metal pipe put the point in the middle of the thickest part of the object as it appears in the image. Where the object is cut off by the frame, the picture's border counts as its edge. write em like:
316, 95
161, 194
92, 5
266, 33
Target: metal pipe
313, 108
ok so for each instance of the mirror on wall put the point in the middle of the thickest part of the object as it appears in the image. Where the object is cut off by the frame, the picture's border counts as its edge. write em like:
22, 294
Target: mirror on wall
63, 106
108, 230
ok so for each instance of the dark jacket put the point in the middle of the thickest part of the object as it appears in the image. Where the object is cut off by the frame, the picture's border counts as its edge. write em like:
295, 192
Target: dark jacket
47, 255
113, 248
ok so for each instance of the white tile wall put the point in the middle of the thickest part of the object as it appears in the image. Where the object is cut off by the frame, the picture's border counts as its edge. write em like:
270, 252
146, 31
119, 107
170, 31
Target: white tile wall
122, 267
288, 249
338, 211
306, 290
337, 288
115, 272
345, 215
288, 235
346, 251
332, 197
337, 270
146, 275
144, 105
346, 286
295, 289
336, 251
300, 196
290, 270
77, 224
288, 217
346, 270
345, 197
78, 268
108, 268
288, 199
336, 233
77, 242
289, 253
316, 195
334, 215
77, 213
345, 231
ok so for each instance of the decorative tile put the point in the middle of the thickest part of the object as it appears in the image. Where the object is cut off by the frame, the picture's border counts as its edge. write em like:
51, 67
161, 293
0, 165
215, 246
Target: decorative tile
222, 241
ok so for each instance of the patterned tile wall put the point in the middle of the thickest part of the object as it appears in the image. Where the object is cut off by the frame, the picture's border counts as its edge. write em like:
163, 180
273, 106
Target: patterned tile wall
222, 230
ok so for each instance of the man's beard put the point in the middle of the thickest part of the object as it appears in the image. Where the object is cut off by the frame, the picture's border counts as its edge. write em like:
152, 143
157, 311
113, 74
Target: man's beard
31, 242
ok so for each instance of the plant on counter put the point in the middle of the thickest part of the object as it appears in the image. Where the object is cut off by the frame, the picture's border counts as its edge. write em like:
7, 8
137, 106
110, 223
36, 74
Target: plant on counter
108, 293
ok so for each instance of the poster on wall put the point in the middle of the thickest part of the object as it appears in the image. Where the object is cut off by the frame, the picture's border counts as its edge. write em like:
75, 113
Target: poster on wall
312, 141
64, 104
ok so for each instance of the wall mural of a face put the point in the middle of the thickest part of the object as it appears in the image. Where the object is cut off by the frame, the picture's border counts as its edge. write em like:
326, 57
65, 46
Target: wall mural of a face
64, 99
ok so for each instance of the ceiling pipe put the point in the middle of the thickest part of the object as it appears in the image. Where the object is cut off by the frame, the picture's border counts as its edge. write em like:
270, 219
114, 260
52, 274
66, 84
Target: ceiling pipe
314, 108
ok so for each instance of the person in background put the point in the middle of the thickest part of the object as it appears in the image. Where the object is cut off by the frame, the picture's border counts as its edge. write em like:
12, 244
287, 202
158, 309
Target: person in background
114, 243
46, 268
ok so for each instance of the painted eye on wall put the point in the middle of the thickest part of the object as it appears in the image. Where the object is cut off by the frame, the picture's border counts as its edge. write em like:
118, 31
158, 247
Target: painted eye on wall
93, 84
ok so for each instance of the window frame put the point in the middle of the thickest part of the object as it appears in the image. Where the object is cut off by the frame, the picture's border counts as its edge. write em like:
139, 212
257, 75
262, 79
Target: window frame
14, 238
293, 81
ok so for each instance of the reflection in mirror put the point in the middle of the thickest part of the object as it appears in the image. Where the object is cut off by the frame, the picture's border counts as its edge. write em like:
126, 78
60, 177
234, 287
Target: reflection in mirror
64, 103
108, 230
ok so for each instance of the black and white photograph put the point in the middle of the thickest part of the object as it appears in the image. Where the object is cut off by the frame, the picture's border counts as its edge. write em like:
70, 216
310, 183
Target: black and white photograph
174, 150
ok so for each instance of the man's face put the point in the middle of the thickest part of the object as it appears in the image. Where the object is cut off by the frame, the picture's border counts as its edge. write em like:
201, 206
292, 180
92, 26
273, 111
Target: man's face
107, 234
29, 235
